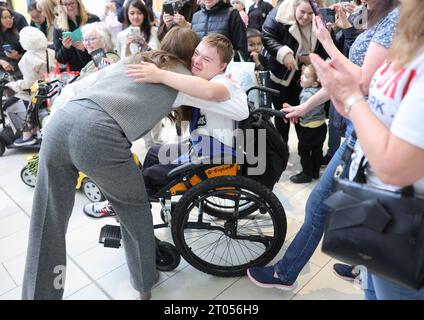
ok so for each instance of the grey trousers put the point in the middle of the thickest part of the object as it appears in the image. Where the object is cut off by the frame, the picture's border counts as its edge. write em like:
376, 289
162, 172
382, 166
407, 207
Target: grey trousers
82, 137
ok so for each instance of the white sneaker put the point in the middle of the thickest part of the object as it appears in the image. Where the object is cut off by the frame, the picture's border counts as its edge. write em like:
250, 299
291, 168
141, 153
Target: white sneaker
99, 210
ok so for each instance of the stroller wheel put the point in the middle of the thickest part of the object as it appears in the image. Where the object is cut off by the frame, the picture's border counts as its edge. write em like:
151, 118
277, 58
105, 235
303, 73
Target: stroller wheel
92, 191
28, 177
167, 256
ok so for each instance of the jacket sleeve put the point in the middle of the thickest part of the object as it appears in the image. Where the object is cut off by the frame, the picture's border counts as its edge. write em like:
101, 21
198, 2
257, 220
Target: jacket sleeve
120, 10
238, 34
62, 54
30, 73
273, 36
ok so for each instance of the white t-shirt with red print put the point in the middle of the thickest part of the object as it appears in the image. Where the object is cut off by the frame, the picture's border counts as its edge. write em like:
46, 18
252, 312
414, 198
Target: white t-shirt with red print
397, 98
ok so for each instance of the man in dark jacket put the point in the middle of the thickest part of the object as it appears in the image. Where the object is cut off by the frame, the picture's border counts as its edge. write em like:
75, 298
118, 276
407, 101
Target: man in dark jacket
218, 16
257, 14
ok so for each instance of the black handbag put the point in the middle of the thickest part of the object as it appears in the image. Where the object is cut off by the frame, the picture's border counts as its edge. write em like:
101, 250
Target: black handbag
380, 229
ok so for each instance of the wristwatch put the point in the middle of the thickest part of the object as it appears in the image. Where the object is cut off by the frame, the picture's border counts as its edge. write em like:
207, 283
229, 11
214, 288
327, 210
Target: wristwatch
351, 101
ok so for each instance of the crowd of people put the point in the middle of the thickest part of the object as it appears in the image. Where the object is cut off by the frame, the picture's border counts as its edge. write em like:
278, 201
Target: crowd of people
363, 71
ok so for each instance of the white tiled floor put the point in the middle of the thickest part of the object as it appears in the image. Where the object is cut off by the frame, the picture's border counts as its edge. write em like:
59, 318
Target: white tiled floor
101, 273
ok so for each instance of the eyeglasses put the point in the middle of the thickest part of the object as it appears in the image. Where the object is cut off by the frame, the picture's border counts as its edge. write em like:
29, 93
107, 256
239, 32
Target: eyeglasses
7, 18
89, 39
69, 4
38, 16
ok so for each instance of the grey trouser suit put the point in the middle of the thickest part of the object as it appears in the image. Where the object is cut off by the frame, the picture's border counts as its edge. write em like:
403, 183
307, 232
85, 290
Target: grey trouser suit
82, 137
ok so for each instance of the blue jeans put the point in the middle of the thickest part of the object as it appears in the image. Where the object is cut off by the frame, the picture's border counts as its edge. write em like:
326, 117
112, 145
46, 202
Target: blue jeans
336, 129
307, 239
382, 289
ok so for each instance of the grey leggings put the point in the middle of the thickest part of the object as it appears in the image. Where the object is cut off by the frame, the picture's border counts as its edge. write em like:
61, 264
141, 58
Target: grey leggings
82, 137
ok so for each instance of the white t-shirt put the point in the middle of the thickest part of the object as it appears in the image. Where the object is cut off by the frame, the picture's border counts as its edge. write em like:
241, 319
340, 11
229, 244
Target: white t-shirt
217, 118
397, 99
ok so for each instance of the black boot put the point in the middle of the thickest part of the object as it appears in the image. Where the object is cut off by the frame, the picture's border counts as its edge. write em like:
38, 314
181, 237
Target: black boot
301, 178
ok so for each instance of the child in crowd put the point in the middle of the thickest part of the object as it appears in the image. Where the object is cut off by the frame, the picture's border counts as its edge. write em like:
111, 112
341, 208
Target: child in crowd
312, 130
257, 54
256, 49
36, 61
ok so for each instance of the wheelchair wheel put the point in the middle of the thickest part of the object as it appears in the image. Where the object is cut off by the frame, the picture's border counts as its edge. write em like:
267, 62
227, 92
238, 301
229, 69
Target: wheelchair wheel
167, 256
92, 191
228, 246
28, 177
221, 208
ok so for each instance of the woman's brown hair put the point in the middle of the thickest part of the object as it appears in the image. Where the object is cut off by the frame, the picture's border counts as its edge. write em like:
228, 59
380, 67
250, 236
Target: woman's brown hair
380, 9
409, 38
48, 7
177, 46
14, 30
62, 19
146, 26
182, 42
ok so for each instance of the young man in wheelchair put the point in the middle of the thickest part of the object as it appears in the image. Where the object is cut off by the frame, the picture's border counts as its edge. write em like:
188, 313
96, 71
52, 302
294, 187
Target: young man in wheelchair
210, 129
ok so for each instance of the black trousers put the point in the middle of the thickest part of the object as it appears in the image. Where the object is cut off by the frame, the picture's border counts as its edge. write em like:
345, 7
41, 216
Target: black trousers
155, 172
311, 141
288, 95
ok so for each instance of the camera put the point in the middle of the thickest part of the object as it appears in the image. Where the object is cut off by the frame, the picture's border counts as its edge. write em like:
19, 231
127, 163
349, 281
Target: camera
7, 47
328, 15
172, 7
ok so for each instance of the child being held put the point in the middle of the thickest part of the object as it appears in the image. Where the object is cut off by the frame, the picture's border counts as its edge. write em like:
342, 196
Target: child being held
312, 130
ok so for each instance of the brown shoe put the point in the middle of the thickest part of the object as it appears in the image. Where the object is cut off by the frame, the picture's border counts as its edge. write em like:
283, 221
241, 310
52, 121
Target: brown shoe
148, 295
145, 295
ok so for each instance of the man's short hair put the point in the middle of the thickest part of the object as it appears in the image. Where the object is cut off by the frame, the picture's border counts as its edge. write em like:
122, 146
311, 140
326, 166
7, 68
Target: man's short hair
222, 44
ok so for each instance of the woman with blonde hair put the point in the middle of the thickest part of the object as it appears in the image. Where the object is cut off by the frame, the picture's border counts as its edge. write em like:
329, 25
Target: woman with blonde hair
71, 15
48, 8
389, 124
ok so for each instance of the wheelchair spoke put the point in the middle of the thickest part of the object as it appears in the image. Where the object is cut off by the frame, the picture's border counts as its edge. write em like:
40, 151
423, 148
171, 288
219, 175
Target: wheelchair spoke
229, 226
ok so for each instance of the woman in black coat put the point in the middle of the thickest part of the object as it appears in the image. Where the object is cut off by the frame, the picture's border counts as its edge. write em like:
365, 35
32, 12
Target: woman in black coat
11, 50
288, 38
72, 15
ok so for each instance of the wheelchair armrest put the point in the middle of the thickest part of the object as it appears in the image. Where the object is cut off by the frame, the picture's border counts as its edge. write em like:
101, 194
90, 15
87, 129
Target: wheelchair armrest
183, 168
197, 162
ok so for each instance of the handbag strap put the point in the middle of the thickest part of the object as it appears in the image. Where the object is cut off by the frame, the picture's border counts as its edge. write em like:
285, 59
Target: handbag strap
360, 176
346, 156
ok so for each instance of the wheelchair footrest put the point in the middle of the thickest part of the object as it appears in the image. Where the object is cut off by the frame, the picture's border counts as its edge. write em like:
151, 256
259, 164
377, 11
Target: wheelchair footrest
110, 236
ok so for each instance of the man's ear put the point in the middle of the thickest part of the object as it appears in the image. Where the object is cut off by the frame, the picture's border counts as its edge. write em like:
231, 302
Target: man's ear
223, 67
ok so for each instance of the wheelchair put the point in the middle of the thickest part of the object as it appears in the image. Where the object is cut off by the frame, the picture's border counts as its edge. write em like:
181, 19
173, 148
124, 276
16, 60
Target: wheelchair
221, 221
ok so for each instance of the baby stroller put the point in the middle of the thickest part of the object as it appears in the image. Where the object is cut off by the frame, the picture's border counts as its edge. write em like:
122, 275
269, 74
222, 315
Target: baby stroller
17, 117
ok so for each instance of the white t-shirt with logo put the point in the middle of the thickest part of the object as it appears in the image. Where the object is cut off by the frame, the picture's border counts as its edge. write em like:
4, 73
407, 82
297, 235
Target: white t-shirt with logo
397, 98
217, 119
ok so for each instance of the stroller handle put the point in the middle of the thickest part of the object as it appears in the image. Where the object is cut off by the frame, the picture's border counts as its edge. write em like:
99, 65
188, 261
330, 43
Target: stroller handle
268, 111
264, 89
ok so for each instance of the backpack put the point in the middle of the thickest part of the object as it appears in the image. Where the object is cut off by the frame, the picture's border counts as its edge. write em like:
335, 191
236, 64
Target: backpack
277, 152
